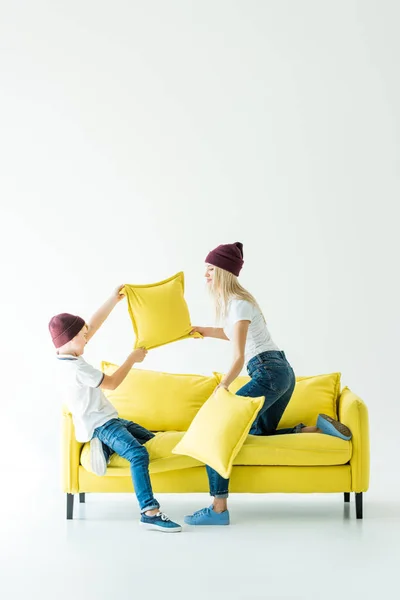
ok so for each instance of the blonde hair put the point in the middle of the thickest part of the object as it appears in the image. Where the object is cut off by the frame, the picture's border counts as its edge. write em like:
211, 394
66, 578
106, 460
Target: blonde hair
226, 286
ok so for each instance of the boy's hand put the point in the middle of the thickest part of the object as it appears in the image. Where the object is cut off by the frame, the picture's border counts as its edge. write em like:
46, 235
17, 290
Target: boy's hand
117, 295
139, 355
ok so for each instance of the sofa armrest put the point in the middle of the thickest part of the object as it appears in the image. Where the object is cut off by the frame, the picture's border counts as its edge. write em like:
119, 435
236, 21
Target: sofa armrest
353, 412
71, 451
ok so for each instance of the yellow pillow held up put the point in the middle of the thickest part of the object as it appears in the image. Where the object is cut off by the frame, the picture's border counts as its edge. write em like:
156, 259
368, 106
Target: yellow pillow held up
159, 312
219, 430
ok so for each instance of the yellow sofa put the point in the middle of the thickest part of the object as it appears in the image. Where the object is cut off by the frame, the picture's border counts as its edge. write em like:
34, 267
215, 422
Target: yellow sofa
166, 403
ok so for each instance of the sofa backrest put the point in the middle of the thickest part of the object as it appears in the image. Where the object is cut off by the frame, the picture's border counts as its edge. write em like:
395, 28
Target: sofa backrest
169, 402
159, 401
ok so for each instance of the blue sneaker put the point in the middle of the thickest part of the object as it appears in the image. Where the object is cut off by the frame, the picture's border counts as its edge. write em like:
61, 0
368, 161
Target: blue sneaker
207, 516
332, 427
159, 522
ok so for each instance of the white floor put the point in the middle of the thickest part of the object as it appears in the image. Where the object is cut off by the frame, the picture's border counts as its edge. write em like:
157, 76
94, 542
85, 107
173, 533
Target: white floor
277, 547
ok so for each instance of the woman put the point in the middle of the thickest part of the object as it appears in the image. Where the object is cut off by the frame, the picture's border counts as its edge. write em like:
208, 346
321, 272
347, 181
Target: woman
270, 372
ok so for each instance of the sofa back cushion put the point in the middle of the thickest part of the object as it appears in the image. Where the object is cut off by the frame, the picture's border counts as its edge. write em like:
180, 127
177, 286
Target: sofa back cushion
312, 395
159, 401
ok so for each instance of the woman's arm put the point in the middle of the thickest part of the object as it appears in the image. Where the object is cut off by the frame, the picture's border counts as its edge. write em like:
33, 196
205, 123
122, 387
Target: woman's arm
239, 343
212, 332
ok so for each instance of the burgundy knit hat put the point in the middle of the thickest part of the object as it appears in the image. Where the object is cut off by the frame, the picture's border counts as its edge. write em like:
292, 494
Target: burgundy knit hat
228, 257
64, 327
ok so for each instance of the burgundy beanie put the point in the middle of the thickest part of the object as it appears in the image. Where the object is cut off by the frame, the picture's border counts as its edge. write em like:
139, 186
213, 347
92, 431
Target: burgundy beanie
64, 327
228, 257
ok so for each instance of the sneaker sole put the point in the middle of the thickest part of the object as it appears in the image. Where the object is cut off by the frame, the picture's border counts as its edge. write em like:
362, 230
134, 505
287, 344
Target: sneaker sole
97, 458
345, 431
207, 524
152, 527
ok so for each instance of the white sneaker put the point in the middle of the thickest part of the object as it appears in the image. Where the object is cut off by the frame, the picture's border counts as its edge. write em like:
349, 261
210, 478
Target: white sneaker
97, 459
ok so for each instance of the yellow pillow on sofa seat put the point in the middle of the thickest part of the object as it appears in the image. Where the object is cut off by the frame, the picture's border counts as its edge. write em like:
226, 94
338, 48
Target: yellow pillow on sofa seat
312, 395
159, 312
219, 430
159, 401
160, 454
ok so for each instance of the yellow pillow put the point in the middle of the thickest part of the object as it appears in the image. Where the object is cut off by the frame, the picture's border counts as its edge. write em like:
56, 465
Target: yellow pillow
312, 396
159, 401
219, 430
159, 312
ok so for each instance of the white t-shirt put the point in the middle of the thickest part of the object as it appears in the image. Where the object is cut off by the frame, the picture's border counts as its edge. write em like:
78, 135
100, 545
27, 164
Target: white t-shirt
258, 337
83, 396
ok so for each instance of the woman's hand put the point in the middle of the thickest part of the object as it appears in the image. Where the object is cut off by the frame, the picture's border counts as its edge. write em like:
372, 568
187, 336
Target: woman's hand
202, 330
220, 385
116, 295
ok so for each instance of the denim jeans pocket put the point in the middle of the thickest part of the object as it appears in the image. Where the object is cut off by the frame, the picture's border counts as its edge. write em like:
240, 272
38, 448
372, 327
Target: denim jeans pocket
277, 378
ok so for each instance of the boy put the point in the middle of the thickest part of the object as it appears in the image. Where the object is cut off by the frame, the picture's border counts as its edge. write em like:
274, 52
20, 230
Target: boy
95, 418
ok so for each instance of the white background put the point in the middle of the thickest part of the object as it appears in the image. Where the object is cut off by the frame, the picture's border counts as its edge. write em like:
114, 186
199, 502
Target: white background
138, 135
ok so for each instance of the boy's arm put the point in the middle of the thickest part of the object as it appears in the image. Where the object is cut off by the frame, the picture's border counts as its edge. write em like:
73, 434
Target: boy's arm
101, 315
111, 382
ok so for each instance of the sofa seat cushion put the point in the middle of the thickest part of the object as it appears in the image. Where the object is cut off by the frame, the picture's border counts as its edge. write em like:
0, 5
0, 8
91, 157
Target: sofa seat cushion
302, 449
160, 455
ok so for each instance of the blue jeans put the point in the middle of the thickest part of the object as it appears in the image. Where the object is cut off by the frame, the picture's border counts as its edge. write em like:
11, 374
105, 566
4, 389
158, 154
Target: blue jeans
272, 377
127, 439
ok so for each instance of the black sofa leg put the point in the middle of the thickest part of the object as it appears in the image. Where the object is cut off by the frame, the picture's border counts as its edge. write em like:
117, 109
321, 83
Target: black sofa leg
359, 505
347, 496
82, 498
70, 506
